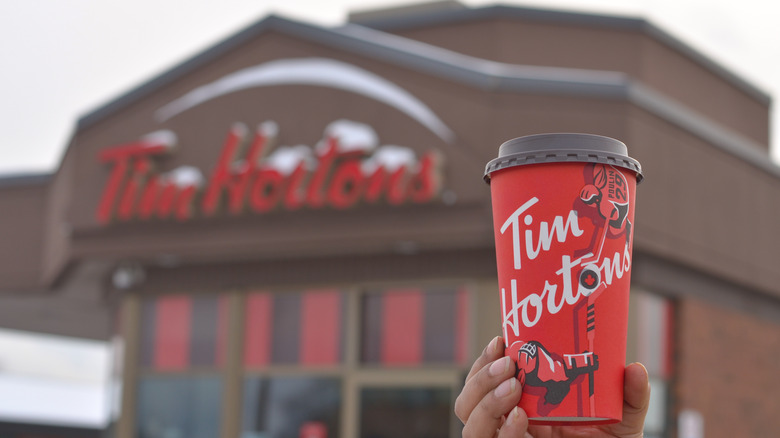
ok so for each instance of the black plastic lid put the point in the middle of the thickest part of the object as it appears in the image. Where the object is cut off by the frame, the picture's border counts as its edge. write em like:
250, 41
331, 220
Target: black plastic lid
563, 147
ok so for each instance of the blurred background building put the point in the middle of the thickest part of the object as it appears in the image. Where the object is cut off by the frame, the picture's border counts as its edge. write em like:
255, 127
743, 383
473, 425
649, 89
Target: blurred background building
288, 234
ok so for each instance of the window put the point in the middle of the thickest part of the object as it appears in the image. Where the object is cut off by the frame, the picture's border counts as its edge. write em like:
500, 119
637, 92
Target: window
183, 340
651, 343
405, 412
285, 331
179, 407
281, 407
315, 363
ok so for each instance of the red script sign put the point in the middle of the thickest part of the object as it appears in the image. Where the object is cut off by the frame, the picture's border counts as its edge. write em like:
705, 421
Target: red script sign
345, 167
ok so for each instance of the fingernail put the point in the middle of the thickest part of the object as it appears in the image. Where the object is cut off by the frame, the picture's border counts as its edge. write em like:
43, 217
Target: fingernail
506, 387
512, 417
493, 345
499, 366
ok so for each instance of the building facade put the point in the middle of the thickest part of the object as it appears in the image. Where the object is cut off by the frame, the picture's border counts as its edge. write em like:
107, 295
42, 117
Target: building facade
289, 233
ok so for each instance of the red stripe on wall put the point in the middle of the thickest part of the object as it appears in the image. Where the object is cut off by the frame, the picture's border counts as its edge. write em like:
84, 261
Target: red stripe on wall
461, 325
402, 327
320, 339
669, 337
223, 315
173, 324
257, 339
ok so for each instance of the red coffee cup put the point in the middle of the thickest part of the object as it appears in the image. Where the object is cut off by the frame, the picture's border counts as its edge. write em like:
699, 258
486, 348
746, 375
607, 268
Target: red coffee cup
563, 215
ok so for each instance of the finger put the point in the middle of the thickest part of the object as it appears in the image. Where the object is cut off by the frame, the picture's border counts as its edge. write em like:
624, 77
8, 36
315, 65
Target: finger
481, 384
636, 395
516, 425
490, 353
636, 400
485, 419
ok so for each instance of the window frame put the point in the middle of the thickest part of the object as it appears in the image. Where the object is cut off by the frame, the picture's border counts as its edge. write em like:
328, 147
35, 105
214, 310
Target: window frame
352, 372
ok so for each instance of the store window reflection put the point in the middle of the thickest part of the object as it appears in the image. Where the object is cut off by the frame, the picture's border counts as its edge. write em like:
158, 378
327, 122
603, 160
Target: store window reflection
179, 407
300, 406
405, 413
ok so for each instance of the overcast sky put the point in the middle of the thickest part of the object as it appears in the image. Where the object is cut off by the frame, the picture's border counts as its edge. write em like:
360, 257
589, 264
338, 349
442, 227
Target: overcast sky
63, 58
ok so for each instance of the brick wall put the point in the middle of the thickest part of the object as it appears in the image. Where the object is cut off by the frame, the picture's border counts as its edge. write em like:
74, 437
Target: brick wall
728, 363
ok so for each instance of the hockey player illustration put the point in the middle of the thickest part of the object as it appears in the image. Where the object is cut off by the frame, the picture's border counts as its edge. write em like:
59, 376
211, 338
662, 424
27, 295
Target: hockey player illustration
537, 367
606, 192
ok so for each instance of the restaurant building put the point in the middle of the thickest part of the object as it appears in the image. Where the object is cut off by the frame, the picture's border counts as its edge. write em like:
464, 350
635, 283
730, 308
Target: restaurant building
289, 234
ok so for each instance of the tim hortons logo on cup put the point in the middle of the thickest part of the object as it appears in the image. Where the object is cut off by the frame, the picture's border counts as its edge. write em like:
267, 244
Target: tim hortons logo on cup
599, 214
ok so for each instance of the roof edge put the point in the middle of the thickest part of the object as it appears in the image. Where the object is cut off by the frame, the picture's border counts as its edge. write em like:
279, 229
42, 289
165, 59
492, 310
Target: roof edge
723, 138
360, 39
25, 179
349, 36
705, 61
178, 70
475, 72
445, 16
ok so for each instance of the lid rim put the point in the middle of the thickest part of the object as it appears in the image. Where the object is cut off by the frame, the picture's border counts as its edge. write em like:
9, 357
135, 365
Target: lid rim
562, 148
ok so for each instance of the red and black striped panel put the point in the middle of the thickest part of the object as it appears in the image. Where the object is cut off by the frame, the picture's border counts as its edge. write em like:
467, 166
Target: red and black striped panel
321, 327
414, 326
294, 328
400, 327
179, 332
257, 336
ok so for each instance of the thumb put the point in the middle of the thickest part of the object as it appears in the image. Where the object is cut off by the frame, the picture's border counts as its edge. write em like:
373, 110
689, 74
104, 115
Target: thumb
636, 401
